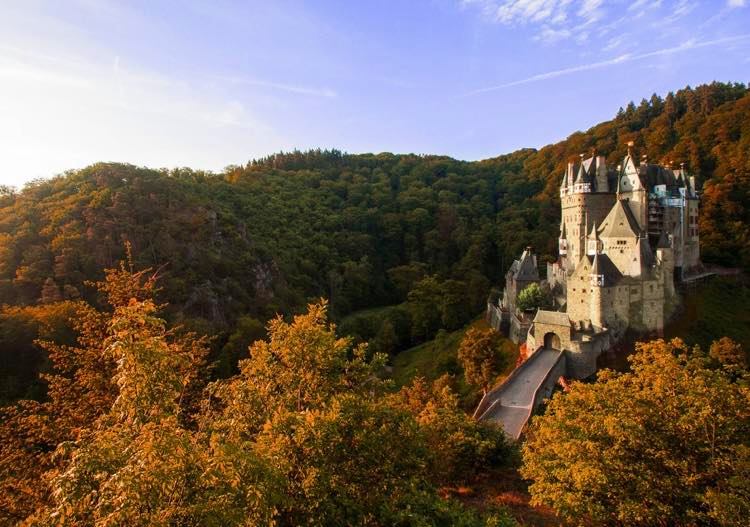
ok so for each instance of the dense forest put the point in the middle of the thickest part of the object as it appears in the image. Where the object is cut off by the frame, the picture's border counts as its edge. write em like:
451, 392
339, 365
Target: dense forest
188, 348
426, 235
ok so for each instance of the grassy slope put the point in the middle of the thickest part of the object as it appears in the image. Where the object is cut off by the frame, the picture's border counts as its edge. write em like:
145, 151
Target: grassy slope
440, 356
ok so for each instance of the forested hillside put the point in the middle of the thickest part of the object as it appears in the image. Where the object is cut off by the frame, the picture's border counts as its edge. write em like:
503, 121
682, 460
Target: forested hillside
428, 235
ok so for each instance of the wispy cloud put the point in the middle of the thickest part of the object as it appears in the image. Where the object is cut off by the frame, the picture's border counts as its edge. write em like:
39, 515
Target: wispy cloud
644, 4
552, 21
621, 59
681, 9
536, 11
557, 19
288, 88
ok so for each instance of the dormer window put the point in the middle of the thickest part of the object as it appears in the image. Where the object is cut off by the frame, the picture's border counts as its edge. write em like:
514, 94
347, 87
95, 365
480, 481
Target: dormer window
596, 280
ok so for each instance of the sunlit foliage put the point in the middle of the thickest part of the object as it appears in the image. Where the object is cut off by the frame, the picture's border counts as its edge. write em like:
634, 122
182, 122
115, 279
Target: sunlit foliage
482, 357
665, 444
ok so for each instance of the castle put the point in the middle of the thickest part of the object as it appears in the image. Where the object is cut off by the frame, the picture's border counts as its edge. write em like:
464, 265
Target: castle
626, 235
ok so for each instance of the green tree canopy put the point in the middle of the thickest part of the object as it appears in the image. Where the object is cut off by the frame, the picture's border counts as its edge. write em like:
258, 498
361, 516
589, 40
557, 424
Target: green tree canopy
533, 296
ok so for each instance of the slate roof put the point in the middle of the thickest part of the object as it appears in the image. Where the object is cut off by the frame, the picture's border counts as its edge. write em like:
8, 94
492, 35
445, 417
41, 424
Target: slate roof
594, 234
526, 269
552, 317
620, 222
604, 266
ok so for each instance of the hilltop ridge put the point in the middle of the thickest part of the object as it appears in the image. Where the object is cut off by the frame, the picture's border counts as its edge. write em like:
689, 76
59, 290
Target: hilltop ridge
362, 230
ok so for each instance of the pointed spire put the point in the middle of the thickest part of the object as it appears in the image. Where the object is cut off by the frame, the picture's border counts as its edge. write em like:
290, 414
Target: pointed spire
596, 277
592, 242
581, 173
595, 265
564, 183
593, 235
563, 233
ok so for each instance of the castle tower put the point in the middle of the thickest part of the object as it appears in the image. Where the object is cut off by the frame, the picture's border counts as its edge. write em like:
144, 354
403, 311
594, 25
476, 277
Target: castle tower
631, 188
584, 195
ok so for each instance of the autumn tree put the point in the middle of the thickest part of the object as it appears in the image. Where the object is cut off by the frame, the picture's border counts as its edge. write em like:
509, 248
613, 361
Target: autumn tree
665, 442
481, 356
461, 447
311, 405
140, 463
79, 390
729, 353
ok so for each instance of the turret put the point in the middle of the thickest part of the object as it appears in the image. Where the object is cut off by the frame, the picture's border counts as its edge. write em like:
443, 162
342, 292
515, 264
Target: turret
593, 243
582, 182
567, 180
600, 174
631, 187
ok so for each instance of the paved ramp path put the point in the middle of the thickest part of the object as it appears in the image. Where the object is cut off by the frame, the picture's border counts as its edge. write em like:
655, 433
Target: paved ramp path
512, 402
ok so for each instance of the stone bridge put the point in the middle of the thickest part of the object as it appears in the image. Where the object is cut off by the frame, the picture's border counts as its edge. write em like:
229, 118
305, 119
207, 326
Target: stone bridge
512, 403
561, 349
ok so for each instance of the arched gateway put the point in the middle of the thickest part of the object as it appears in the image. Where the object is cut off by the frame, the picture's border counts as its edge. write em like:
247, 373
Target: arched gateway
552, 341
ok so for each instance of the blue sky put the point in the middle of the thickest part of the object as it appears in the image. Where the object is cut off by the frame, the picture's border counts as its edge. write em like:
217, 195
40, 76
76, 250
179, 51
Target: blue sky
208, 84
